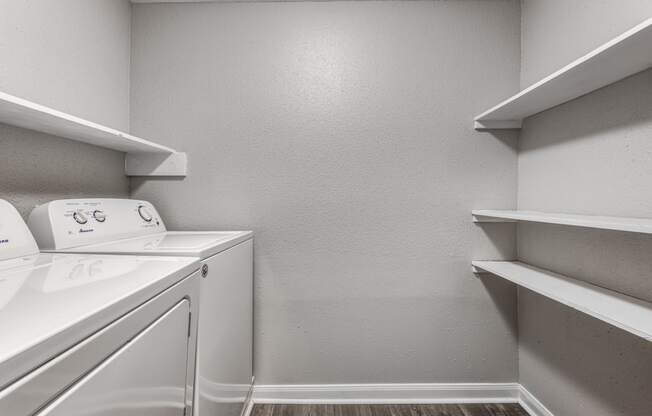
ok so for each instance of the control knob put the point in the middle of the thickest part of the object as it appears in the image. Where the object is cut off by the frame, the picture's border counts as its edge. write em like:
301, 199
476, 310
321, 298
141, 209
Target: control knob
144, 213
99, 216
79, 217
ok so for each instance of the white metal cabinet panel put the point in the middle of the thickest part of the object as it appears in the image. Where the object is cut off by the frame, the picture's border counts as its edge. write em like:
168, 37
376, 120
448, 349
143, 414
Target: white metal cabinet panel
64, 298
145, 377
225, 332
36, 389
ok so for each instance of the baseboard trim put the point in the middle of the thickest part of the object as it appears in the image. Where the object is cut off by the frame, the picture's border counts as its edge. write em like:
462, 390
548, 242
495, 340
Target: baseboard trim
389, 393
531, 404
426, 393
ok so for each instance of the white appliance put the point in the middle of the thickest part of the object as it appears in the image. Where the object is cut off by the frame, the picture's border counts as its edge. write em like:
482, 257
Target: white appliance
123, 226
93, 335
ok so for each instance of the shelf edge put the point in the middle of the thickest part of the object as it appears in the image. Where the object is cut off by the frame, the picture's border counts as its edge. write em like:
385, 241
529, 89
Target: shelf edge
568, 220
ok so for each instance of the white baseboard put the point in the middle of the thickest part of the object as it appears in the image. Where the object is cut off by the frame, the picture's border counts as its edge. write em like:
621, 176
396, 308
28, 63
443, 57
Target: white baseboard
388, 393
531, 404
400, 393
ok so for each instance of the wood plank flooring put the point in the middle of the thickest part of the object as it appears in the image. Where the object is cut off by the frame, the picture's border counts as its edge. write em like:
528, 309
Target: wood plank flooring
509, 409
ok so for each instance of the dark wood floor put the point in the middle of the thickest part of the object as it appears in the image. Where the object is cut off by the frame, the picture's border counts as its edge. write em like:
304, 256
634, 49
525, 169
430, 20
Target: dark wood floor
388, 410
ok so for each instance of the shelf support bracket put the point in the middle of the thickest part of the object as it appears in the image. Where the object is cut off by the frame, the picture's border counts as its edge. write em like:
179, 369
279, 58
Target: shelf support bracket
477, 270
485, 219
156, 164
482, 125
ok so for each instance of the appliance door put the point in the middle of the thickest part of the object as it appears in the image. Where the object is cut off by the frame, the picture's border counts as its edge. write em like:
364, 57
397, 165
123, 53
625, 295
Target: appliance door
146, 377
224, 353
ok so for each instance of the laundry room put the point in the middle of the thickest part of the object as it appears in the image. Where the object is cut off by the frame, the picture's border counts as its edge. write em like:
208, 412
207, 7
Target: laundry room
325, 208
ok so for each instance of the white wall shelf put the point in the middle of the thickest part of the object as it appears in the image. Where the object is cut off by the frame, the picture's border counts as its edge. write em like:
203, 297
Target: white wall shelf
633, 225
144, 158
619, 58
622, 311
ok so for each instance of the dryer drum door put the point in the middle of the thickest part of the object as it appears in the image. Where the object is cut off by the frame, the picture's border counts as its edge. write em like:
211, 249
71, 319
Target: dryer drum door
146, 377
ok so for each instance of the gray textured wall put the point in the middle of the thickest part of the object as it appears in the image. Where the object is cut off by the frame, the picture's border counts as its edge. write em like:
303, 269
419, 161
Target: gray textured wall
73, 55
594, 156
341, 132
556, 32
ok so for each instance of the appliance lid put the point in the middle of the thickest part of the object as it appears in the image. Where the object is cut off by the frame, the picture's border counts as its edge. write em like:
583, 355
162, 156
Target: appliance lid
178, 243
49, 302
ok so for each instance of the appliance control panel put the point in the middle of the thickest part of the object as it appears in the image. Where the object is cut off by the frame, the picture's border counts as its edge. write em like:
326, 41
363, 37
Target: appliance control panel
15, 238
68, 223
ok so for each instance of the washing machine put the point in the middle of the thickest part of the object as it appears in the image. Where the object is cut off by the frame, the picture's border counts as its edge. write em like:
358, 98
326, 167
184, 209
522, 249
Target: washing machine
94, 335
224, 374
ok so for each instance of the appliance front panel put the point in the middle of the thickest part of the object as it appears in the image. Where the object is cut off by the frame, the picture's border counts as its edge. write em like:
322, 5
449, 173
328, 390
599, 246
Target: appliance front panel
146, 377
36, 389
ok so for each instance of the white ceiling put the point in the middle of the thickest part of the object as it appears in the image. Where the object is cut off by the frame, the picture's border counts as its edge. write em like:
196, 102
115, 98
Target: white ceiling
174, 1
198, 1
217, 1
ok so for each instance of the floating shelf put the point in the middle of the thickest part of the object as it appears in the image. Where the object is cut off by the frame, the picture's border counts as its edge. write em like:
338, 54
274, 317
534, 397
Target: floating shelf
622, 311
619, 58
633, 225
144, 158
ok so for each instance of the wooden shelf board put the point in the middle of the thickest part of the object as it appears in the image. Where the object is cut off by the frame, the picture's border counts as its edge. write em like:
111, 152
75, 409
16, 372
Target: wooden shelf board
619, 58
622, 311
627, 224
143, 154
